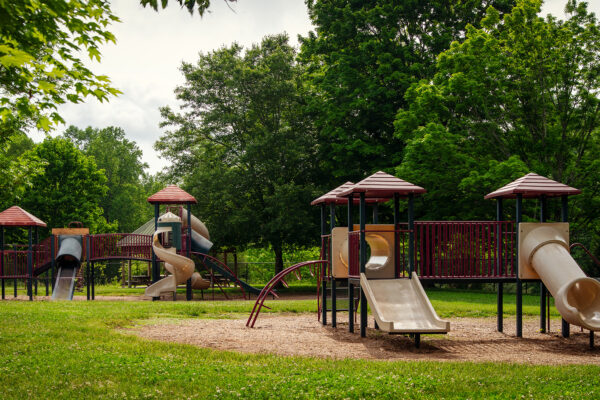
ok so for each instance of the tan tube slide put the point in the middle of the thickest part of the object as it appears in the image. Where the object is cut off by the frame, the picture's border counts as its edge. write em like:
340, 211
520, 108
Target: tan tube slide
544, 251
180, 267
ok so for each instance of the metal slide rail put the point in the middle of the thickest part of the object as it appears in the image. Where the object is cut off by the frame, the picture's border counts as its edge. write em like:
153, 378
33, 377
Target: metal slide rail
271, 285
123, 246
224, 266
465, 249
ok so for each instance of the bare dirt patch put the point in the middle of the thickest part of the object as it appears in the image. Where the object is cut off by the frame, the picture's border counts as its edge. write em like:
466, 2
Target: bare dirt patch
470, 339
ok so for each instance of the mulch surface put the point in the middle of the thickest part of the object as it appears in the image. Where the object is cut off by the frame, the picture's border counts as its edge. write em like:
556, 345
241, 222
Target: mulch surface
470, 339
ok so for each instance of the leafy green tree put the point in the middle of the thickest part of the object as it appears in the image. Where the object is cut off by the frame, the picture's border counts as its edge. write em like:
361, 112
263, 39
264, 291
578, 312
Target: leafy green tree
362, 58
40, 61
243, 149
70, 187
17, 166
121, 160
519, 94
201, 6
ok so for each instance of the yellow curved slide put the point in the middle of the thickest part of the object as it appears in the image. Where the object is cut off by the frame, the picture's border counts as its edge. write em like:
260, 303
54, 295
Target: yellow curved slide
180, 267
544, 254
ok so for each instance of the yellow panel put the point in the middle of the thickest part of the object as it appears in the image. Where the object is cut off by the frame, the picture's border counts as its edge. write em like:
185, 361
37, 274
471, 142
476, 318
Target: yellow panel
339, 252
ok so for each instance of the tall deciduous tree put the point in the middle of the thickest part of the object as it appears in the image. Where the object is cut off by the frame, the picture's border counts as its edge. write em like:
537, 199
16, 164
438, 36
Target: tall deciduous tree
242, 148
40, 64
362, 58
17, 167
519, 94
69, 188
121, 160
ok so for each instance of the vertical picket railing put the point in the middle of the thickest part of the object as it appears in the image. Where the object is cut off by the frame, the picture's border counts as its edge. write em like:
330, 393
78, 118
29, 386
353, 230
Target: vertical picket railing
121, 246
465, 249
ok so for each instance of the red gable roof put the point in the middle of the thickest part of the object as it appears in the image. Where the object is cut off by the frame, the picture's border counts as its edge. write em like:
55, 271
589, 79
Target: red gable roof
381, 184
172, 194
533, 185
16, 216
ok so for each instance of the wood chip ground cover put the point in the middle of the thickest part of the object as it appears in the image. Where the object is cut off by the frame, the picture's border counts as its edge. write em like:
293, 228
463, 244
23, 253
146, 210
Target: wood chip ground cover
470, 339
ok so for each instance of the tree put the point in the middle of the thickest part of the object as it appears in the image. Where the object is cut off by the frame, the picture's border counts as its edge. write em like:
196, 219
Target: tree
40, 65
242, 148
69, 188
519, 94
362, 58
201, 6
17, 167
121, 160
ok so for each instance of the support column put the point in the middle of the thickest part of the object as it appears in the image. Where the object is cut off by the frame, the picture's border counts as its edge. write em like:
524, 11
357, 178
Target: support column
155, 264
93, 282
564, 214
363, 263
375, 213
351, 310
88, 273
499, 272
52, 260
333, 282
87, 263
188, 285
396, 234
519, 304
36, 241
325, 252
411, 236
30, 265
2, 261
543, 289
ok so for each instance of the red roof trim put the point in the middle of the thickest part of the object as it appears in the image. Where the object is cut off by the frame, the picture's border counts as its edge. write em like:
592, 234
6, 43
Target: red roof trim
172, 194
16, 216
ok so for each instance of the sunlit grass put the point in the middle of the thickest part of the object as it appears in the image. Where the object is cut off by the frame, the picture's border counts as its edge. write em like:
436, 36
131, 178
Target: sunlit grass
67, 350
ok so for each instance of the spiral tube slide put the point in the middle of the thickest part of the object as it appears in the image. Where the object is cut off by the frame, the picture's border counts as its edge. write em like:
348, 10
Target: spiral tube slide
180, 267
544, 251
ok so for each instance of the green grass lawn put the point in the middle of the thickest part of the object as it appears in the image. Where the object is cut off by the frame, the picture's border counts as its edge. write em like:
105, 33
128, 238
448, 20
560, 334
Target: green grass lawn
73, 350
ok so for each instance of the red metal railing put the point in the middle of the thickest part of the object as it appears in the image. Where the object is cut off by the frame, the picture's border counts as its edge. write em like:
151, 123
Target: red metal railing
465, 249
14, 263
43, 253
326, 255
120, 246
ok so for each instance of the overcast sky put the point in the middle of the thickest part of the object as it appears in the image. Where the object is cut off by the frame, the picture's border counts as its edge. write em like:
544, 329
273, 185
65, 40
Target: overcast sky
144, 64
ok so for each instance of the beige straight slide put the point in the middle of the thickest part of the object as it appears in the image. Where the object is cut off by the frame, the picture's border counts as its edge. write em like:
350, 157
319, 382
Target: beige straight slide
402, 306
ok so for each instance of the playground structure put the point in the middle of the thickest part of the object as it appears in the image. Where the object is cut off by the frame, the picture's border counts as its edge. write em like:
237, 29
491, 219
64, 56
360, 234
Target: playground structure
57, 261
402, 254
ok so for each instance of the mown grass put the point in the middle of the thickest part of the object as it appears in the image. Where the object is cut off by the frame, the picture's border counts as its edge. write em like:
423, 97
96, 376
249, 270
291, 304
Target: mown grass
72, 350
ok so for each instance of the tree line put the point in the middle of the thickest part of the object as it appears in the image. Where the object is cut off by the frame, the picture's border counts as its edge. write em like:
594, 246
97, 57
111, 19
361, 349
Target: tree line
460, 97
